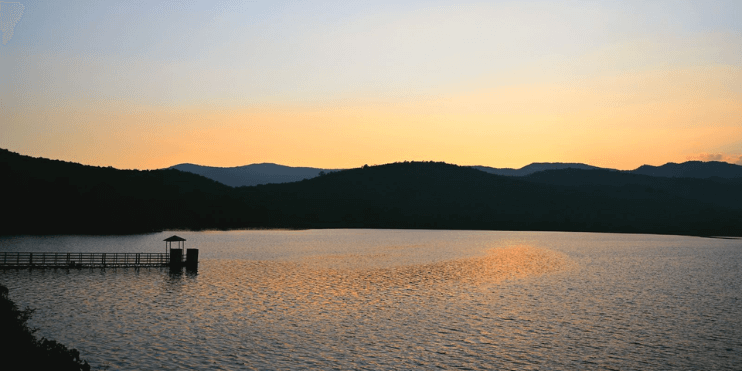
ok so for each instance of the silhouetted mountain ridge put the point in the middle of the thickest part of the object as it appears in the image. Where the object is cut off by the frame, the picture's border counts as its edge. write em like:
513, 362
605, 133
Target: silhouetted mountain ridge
269, 173
60, 197
51, 196
715, 191
437, 195
692, 169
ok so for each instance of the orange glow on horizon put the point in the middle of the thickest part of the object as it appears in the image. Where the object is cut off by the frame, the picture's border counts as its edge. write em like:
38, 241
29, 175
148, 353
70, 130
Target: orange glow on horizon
618, 121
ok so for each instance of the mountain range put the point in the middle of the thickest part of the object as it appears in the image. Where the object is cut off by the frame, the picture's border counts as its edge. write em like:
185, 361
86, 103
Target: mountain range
268, 173
56, 197
250, 175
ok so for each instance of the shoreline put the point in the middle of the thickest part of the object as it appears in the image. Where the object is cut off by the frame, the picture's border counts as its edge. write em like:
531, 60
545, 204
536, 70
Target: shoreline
359, 228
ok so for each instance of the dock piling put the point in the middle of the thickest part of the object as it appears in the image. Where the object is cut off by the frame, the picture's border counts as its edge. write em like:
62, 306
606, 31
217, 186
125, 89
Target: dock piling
192, 259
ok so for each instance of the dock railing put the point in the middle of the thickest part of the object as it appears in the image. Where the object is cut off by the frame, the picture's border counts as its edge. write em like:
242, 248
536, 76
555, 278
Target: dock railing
82, 260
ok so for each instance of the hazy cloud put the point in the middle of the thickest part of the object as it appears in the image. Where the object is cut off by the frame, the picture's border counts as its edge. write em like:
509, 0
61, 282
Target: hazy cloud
10, 14
732, 159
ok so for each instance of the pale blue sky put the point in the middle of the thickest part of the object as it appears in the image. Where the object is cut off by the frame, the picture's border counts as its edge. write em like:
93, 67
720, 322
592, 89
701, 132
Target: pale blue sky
308, 49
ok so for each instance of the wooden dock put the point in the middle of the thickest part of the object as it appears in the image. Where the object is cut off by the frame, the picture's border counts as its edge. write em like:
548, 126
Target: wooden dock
83, 260
174, 257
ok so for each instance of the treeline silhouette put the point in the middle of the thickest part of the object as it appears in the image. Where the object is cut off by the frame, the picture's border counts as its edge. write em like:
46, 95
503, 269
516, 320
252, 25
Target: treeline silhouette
57, 197
60, 197
20, 349
438, 195
721, 192
693, 169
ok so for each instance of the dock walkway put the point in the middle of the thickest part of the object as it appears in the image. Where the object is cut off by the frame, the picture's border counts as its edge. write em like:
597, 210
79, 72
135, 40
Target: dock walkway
82, 260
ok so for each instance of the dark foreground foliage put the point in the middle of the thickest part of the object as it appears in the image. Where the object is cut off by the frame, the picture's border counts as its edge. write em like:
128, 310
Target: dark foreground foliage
21, 350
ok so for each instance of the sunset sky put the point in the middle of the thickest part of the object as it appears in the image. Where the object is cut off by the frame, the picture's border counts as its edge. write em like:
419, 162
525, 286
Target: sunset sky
338, 84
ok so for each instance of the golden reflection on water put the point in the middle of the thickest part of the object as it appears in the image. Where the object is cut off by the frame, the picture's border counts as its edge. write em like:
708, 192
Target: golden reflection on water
331, 283
406, 314
496, 265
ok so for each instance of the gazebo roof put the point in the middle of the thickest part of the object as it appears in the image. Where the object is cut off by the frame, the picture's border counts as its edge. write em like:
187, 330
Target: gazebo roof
174, 238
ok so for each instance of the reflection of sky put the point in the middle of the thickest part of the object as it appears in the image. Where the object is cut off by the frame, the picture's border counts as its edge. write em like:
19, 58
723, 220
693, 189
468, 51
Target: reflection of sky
338, 68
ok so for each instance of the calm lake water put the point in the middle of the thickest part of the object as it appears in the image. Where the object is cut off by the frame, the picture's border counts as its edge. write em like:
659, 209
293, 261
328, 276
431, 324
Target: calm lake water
396, 299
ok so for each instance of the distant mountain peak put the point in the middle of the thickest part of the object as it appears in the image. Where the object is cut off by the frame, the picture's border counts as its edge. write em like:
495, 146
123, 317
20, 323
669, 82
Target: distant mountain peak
535, 167
253, 174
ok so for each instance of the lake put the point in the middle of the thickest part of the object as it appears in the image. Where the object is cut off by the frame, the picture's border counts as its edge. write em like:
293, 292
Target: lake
395, 299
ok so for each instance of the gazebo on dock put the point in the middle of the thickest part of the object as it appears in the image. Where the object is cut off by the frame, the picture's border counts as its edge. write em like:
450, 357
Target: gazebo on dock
177, 253
169, 243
